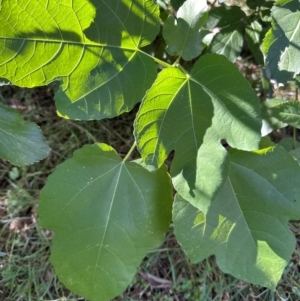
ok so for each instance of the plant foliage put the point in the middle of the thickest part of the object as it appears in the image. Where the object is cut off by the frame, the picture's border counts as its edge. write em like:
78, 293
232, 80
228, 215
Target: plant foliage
235, 192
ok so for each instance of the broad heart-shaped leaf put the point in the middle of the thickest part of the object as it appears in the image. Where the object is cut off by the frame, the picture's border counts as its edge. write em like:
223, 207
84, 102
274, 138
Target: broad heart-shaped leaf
21, 142
288, 112
182, 35
191, 114
91, 47
282, 42
106, 215
246, 226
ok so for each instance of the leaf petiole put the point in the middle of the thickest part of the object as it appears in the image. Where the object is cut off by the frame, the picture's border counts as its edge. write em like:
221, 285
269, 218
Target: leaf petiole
129, 152
158, 61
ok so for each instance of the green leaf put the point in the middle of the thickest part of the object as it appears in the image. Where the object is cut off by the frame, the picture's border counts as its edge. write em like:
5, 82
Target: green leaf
288, 143
191, 114
224, 16
176, 3
246, 226
269, 121
288, 112
254, 37
21, 142
296, 153
229, 41
282, 42
182, 34
106, 215
91, 47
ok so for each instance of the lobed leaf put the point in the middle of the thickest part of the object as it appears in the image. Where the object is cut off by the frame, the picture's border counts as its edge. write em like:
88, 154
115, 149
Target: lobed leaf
91, 47
21, 142
106, 215
246, 226
191, 114
182, 34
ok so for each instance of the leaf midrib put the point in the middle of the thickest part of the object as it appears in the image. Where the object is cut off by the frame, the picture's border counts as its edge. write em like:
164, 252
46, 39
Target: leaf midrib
107, 219
82, 43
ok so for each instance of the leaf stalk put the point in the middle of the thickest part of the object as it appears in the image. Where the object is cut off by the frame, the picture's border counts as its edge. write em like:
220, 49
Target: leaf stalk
129, 152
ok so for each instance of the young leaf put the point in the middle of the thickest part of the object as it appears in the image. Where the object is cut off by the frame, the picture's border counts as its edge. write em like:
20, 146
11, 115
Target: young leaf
246, 226
282, 42
288, 112
191, 114
91, 47
21, 142
106, 215
182, 35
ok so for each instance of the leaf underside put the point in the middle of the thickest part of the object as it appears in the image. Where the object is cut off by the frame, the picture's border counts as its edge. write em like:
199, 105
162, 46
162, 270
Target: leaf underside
246, 226
91, 47
191, 115
21, 142
106, 215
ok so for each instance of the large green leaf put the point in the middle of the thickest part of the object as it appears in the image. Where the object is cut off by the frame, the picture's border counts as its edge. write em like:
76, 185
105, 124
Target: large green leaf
91, 47
246, 226
282, 42
191, 114
21, 142
182, 34
106, 215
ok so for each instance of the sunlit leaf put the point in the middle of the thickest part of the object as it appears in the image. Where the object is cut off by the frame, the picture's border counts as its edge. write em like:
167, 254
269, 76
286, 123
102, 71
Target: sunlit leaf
191, 114
182, 34
91, 47
106, 215
282, 42
21, 142
246, 226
